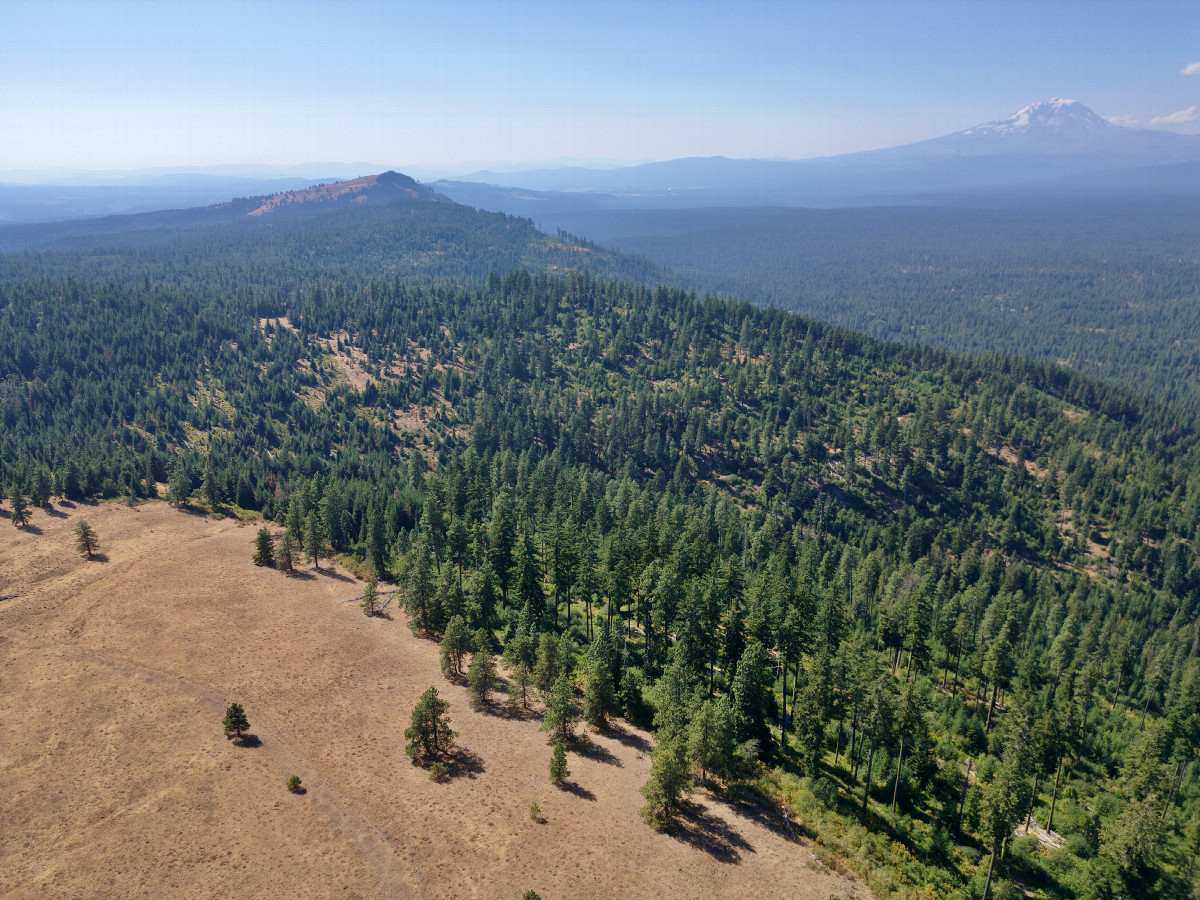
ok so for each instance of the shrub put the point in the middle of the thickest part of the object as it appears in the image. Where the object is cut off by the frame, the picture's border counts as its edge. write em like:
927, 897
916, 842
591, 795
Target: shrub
293, 784
535, 812
438, 772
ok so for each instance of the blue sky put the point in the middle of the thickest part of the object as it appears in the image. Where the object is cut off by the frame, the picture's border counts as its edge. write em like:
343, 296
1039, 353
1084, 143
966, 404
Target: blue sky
447, 87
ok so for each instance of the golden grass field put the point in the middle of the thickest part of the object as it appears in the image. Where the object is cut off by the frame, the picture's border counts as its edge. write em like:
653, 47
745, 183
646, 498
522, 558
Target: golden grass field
116, 779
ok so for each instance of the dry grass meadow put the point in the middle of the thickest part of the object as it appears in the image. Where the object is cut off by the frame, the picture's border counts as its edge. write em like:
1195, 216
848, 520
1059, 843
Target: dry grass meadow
117, 781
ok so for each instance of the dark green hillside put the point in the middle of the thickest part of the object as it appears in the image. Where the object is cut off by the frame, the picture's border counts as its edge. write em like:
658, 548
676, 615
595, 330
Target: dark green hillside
1110, 290
863, 564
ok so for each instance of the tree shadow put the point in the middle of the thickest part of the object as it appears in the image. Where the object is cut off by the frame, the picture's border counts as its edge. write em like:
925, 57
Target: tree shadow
463, 762
30, 528
572, 787
97, 557
300, 574
628, 738
54, 513
248, 740
330, 573
753, 805
699, 828
585, 746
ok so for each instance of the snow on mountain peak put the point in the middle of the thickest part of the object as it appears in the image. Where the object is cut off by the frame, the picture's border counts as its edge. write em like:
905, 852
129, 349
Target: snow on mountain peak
1056, 114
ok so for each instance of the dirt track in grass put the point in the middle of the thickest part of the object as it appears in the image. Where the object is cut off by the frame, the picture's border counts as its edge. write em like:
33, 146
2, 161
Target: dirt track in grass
116, 780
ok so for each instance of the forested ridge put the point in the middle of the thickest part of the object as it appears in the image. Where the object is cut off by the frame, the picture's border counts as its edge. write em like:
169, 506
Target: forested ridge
921, 596
1108, 289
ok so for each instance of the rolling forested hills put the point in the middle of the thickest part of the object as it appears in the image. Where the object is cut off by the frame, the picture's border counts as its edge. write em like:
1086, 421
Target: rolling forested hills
946, 608
1109, 289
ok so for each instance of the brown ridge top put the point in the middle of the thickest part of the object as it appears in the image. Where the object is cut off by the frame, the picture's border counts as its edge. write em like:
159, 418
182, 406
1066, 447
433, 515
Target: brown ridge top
385, 187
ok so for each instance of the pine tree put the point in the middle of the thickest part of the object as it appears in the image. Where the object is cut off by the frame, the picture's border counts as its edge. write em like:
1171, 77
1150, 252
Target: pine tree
710, 740
264, 548
20, 511
599, 697
481, 677
518, 686
86, 540
561, 710
751, 695
558, 764
429, 736
456, 643
285, 559
669, 781
370, 597
315, 543
235, 721
179, 487
419, 596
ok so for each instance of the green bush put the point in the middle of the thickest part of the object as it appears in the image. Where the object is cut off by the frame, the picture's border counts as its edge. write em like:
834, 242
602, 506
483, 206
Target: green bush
438, 771
293, 784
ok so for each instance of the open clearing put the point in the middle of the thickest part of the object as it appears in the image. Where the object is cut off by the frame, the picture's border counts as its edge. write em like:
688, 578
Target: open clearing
116, 780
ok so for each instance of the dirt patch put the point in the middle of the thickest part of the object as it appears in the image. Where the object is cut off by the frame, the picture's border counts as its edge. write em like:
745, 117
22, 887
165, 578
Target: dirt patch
117, 779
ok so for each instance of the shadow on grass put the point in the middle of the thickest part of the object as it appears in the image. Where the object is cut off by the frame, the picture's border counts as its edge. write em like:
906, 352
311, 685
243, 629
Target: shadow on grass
330, 573
54, 513
586, 747
699, 828
97, 557
572, 787
626, 737
463, 762
30, 528
247, 740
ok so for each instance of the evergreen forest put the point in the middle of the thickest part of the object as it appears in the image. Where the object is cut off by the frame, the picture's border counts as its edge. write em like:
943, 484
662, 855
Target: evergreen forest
943, 608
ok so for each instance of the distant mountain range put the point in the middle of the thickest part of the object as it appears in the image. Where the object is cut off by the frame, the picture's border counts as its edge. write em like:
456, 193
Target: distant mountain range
1056, 146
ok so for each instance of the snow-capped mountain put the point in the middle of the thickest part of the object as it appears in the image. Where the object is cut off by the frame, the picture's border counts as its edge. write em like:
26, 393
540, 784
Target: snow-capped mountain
1068, 115
1056, 145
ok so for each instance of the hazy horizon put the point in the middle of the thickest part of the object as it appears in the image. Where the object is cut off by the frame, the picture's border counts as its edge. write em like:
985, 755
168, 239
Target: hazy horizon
131, 86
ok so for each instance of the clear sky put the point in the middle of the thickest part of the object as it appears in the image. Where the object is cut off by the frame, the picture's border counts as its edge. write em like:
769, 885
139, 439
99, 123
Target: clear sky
448, 86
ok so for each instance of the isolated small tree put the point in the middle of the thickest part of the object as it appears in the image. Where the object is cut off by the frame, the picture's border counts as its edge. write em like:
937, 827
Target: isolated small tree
481, 677
370, 597
86, 540
429, 736
20, 511
293, 784
235, 720
561, 710
518, 686
285, 559
558, 764
456, 643
264, 548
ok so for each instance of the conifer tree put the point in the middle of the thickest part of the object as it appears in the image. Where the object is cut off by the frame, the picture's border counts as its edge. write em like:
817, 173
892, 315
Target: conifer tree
179, 487
558, 764
481, 677
285, 558
710, 740
456, 644
264, 548
669, 781
86, 540
370, 597
20, 511
518, 686
561, 710
429, 736
235, 721
599, 697
315, 543
419, 593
